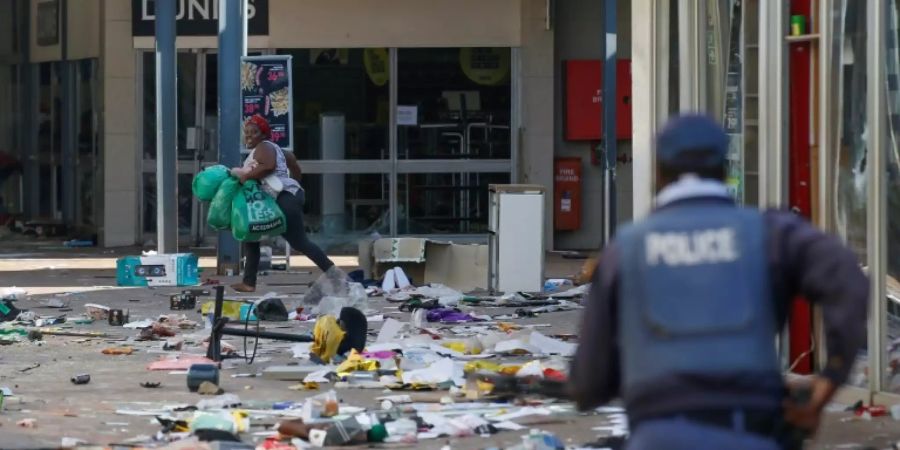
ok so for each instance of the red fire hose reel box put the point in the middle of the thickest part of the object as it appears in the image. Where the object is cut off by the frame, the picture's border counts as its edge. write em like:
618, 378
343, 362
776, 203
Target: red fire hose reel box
584, 110
567, 194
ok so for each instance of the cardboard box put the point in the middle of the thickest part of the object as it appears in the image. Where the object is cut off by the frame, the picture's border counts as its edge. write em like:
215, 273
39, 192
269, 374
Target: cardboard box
463, 267
178, 269
399, 250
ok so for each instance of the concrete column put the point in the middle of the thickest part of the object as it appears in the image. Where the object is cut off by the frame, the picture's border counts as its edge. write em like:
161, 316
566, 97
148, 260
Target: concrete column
537, 87
119, 147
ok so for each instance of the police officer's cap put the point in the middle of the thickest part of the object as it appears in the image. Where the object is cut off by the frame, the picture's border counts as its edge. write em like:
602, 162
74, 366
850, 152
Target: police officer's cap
692, 139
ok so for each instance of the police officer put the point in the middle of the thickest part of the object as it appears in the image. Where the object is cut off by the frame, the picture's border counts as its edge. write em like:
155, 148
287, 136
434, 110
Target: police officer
682, 319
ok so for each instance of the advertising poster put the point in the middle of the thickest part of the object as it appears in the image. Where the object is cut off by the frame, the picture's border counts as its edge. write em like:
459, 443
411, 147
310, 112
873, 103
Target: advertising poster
266, 90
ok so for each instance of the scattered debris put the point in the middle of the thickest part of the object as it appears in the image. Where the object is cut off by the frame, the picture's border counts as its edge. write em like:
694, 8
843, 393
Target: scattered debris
97, 312
31, 367
27, 423
441, 364
117, 317
83, 378
116, 351
209, 388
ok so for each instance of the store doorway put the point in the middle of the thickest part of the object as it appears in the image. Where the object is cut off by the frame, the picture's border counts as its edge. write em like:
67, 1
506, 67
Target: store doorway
197, 122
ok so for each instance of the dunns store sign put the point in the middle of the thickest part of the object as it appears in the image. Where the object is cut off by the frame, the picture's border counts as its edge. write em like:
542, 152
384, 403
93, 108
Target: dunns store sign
197, 17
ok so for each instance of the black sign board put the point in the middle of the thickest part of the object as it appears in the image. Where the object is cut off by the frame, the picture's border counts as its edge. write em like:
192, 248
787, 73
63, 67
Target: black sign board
197, 17
48, 23
266, 90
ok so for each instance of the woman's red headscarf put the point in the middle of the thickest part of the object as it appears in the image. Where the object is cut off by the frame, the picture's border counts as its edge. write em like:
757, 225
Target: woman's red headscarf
260, 123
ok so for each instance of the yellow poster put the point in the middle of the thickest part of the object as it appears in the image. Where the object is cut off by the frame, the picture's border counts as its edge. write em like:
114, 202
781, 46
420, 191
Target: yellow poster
486, 66
377, 65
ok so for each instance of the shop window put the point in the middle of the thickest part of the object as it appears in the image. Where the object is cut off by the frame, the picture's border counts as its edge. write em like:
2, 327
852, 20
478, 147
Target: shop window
454, 103
9, 139
340, 209
341, 99
87, 142
445, 203
185, 203
186, 95
892, 159
732, 88
848, 157
49, 150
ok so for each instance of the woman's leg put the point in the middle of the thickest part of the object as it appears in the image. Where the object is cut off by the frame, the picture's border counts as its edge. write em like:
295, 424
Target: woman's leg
292, 207
251, 265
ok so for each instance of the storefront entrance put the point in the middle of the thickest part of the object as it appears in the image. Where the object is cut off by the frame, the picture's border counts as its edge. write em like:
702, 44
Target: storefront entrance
197, 92
411, 154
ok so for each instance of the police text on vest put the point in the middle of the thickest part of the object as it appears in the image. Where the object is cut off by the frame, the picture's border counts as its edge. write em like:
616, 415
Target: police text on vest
691, 248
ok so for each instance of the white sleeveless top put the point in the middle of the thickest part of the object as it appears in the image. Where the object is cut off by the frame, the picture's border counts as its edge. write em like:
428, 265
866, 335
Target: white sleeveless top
281, 171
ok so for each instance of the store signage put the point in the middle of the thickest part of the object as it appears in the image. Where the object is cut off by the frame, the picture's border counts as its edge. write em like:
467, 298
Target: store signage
266, 90
48, 23
486, 66
407, 115
377, 63
197, 17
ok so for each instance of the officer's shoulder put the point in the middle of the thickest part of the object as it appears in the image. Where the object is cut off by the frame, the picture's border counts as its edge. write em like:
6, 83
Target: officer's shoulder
783, 218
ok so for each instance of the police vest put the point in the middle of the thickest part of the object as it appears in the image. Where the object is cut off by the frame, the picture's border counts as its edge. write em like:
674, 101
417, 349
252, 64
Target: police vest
694, 295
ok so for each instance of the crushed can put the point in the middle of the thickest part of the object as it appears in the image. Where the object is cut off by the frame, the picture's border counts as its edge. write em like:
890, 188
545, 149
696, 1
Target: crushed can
81, 379
183, 301
198, 373
117, 317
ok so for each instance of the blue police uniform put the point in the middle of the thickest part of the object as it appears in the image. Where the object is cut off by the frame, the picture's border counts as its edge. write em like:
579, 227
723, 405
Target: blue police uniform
685, 307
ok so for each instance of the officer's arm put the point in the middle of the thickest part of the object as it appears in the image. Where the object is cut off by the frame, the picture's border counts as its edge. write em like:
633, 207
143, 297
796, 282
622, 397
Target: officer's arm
827, 273
595, 369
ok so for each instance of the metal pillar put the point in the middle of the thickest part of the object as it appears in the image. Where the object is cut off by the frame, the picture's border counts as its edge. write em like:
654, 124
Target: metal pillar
393, 137
825, 133
877, 192
650, 80
609, 91
69, 136
69, 123
232, 46
31, 178
690, 31
166, 123
772, 104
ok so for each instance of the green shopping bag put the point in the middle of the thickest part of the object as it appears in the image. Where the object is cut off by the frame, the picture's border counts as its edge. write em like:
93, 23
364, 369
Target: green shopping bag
255, 214
207, 182
219, 215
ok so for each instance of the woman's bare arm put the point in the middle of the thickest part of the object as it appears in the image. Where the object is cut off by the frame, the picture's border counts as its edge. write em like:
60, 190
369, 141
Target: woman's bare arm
264, 154
293, 165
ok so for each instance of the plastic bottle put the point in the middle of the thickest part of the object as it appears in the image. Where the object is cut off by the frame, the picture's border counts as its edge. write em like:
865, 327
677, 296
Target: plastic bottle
331, 407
